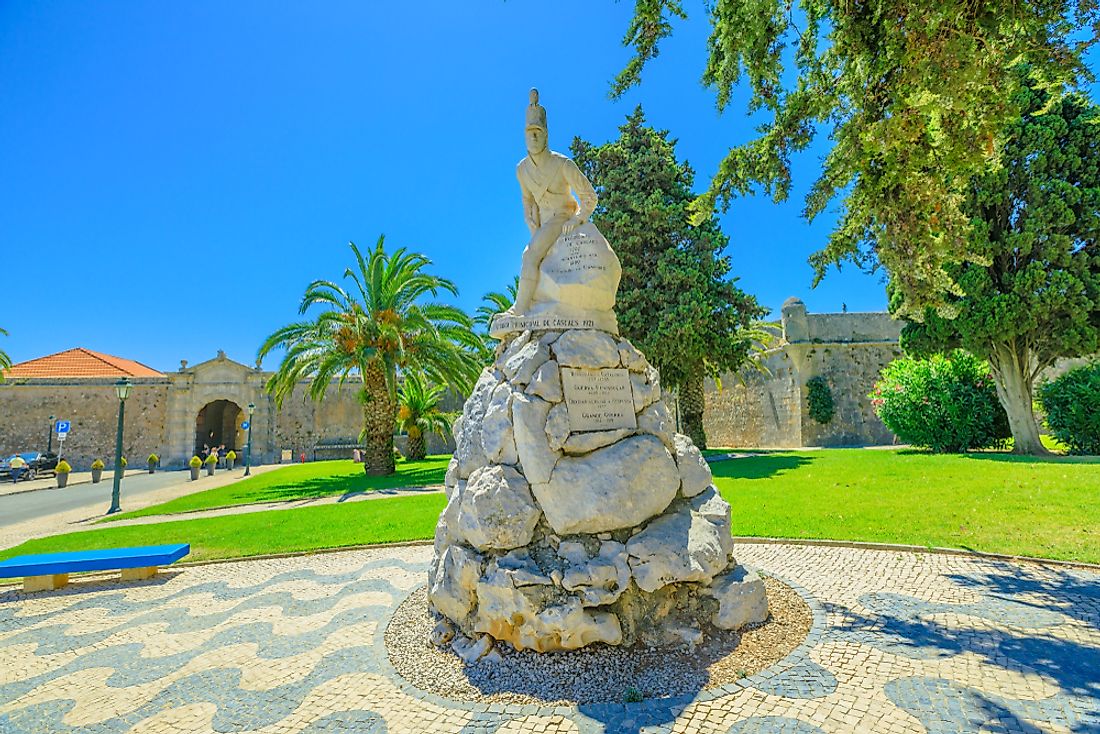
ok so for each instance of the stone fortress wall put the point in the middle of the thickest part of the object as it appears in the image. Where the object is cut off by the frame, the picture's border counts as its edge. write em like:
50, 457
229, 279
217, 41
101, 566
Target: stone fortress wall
770, 410
162, 416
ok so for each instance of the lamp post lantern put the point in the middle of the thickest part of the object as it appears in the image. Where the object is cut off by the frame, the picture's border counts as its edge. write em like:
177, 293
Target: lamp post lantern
49, 437
248, 446
122, 387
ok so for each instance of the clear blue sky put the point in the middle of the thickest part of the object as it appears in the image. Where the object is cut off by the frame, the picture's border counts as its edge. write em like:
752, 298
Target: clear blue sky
173, 174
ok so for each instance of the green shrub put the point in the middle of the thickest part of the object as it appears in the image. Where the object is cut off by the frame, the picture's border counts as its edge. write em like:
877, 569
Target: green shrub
945, 403
231, 455
97, 464
63, 467
153, 459
820, 398
1072, 407
195, 462
212, 459
124, 462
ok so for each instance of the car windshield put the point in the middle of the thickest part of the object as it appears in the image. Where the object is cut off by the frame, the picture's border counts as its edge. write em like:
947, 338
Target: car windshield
29, 456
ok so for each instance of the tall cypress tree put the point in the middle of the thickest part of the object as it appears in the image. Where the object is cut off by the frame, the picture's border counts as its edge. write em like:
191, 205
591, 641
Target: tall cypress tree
676, 301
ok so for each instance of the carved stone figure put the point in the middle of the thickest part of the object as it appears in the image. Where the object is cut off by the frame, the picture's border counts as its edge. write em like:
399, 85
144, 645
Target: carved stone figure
568, 273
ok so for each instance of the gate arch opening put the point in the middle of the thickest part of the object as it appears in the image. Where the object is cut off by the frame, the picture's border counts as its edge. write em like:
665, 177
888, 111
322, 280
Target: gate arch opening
217, 425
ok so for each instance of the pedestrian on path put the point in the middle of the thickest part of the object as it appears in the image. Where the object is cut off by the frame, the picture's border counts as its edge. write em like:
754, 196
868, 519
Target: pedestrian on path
17, 466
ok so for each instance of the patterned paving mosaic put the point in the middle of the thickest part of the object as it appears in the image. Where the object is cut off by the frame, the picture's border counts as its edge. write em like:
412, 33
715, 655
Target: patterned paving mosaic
902, 642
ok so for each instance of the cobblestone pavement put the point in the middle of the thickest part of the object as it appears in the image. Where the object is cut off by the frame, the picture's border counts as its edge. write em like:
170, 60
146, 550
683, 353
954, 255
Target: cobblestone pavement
901, 642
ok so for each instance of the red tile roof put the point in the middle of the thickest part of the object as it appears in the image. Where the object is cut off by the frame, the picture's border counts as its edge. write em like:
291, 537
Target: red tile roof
80, 362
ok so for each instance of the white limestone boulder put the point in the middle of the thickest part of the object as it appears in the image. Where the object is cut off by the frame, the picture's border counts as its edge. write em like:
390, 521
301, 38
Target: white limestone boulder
619, 486
467, 429
599, 580
496, 509
497, 437
546, 382
645, 388
742, 599
582, 443
535, 455
452, 585
517, 605
557, 427
587, 349
521, 366
685, 545
656, 420
631, 358
695, 475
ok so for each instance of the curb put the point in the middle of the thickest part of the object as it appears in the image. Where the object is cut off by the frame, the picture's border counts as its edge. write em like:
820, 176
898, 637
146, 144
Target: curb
898, 547
858, 545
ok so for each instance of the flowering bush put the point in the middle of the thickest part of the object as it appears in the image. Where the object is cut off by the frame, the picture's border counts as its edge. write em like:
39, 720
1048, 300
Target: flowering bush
98, 464
195, 462
946, 403
1072, 407
153, 460
63, 467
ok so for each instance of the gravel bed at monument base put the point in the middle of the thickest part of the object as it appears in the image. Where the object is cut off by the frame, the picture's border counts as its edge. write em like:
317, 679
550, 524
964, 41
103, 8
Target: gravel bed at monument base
597, 673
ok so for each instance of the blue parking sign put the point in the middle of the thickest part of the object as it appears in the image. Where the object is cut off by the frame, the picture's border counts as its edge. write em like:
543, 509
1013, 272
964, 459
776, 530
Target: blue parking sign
63, 427
244, 426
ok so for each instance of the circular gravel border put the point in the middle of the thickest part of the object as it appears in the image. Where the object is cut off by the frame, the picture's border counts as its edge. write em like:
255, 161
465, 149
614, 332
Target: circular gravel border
601, 711
597, 673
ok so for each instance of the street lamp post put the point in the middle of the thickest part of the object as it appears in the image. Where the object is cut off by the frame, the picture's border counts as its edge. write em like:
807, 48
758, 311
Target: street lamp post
248, 446
122, 387
49, 437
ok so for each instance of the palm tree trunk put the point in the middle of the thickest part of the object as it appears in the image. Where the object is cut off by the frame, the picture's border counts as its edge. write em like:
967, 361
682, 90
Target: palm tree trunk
418, 449
379, 415
692, 406
1012, 375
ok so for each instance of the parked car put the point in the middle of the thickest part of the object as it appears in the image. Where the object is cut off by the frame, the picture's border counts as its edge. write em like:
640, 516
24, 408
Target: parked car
37, 463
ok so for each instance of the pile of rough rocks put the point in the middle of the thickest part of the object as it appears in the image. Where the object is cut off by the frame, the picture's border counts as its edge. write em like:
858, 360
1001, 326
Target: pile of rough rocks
554, 539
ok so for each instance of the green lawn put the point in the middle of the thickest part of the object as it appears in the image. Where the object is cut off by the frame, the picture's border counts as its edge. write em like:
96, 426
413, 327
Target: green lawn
988, 502
259, 533
302, 481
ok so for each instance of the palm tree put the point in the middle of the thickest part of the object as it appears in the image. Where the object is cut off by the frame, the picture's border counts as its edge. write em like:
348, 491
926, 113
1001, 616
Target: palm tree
5, 360
418, 413
373, 331
493, 303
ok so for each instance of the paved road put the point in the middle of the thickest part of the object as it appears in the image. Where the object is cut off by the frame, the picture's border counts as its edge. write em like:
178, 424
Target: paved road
95, 498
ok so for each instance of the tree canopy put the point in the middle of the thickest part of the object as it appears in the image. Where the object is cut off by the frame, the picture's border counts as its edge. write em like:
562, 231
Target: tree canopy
1035, 224
382, 325
676, 301
916, 96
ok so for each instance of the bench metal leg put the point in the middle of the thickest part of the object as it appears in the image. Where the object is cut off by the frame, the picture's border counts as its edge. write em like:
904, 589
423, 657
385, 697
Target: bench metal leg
137, 574
45, 583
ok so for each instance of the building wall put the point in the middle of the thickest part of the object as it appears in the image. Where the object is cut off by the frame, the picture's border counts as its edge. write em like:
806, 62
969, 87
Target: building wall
161, 416
755, 410
91, 406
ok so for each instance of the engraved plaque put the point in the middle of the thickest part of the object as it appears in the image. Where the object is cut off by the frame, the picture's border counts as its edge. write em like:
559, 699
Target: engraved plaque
598, 400
576, 256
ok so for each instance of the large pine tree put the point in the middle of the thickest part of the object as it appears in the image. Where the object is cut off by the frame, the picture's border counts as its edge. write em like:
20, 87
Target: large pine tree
676, 301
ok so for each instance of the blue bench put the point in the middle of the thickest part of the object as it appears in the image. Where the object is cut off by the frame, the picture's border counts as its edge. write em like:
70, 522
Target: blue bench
51, 570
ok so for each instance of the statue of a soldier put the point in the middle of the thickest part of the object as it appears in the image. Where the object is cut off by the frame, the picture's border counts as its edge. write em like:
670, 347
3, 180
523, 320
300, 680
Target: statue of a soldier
548, 182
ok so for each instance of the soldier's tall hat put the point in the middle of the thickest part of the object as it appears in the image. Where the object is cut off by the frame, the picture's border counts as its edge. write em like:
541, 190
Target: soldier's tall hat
536, 113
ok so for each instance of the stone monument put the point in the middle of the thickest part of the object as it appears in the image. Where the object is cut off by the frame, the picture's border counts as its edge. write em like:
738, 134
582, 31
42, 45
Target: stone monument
575, 513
